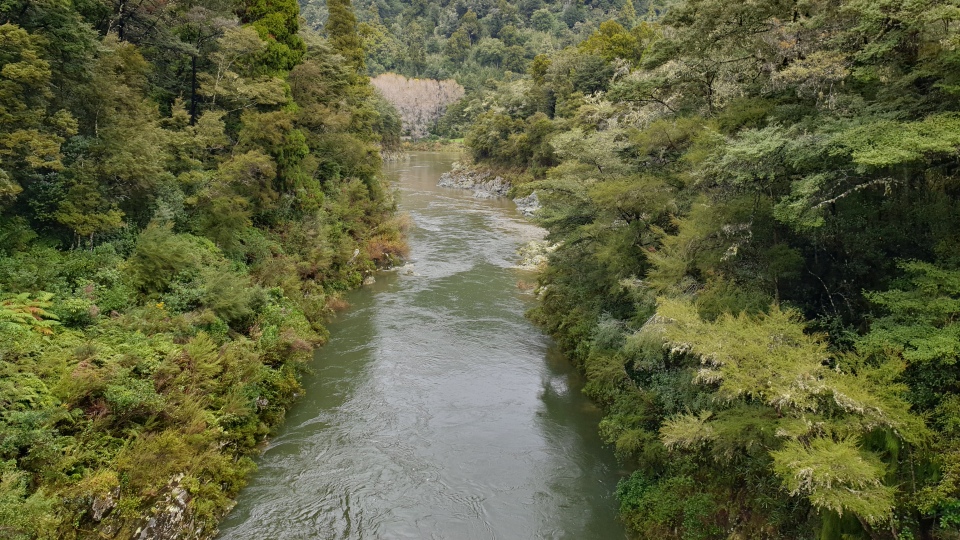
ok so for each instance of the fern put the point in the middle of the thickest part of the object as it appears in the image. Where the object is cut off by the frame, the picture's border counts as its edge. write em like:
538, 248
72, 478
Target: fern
21, 310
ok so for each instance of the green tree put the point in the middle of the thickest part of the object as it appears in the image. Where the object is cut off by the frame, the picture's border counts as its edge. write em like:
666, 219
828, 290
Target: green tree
416, 54
86, 211
342, 29
613, 41
627, 15
30, 138
277, 23
458, 46
470, 24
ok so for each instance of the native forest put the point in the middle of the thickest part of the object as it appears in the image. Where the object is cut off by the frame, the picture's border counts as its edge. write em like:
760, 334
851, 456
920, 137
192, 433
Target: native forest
752, 208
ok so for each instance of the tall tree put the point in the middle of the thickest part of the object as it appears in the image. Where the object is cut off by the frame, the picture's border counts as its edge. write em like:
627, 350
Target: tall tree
278, 24
342, 31
30, 137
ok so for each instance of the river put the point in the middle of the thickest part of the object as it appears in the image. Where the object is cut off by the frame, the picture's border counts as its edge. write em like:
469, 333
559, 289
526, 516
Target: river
437, 410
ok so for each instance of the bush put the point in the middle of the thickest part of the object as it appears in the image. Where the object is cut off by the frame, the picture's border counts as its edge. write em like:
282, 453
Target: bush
76, 312
160, 255
24, 517
232, 296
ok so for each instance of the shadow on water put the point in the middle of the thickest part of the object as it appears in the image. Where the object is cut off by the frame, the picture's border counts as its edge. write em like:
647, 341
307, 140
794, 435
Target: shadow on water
437, 410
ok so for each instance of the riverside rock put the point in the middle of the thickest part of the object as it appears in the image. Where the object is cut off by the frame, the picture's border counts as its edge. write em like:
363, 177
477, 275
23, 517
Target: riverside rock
486, 185
172, 517
534, 254
483, 183
528, 205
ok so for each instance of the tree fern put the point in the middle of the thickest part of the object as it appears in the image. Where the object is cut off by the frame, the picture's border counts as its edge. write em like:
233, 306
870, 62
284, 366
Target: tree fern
774, 394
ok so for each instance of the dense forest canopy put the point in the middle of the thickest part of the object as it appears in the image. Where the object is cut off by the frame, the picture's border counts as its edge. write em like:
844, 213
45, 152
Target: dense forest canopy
473, 40
185, 189
478, 43
756, 207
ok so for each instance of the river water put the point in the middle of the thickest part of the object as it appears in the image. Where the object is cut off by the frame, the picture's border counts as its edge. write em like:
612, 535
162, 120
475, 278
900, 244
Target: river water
437, 410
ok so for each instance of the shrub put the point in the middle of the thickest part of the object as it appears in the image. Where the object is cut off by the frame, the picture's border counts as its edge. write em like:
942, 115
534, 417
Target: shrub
160, 255
76, 312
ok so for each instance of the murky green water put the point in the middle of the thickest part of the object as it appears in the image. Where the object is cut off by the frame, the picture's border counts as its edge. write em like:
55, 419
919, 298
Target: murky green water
437, 410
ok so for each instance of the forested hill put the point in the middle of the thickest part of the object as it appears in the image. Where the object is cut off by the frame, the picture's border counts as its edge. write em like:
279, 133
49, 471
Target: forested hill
482, 44
756, 205
185, 190
473, 41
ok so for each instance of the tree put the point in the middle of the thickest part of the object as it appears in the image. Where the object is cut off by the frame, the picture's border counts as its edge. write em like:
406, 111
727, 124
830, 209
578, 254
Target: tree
917, 329
342, 29
612, 41
458, 46
201, 27
503, 15
86, 211
470, 24
775, 365
30, 137
489, 51
627, 15
69, 43
543, 20
235, 81
416, 54
277, 23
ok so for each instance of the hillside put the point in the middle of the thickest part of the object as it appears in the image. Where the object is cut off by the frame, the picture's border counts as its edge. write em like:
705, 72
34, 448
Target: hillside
473, 40
755, 208
185, 191
752, 209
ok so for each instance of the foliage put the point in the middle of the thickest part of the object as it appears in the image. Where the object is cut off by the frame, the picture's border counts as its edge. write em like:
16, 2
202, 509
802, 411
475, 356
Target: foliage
754, 266
20, 310
420, 103
342, 28
182, 187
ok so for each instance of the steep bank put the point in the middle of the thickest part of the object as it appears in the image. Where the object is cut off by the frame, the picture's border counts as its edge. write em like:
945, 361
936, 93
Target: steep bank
176, 225
754, 272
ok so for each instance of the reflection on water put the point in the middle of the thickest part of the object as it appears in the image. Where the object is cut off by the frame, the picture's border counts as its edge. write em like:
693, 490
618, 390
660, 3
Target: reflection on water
437, 410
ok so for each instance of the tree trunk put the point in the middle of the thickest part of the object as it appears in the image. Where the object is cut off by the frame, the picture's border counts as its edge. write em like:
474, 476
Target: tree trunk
193, 90
120, 21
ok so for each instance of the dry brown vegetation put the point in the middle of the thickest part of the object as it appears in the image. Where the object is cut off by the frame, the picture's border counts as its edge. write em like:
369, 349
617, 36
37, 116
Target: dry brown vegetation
421, 102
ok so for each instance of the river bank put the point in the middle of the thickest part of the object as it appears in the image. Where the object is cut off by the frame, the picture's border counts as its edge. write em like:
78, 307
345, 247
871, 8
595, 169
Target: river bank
486, 184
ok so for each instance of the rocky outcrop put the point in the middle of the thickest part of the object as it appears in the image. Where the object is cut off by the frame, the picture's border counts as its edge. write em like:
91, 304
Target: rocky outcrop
171, 517
528, 205
533, 254
103, 505
483, 183
486, 185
